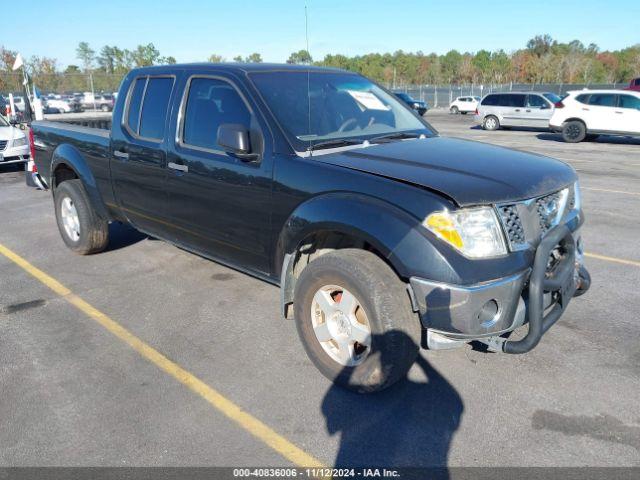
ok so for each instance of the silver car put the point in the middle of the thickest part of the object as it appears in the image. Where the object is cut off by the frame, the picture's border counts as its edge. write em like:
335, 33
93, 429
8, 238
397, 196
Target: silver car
516, 109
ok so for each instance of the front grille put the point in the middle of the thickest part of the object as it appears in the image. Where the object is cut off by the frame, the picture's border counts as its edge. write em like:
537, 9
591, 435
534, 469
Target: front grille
526, 222
3, 144
547, 208
512, 224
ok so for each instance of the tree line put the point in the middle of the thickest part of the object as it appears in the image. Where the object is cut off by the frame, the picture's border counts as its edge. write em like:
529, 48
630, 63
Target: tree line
542, 60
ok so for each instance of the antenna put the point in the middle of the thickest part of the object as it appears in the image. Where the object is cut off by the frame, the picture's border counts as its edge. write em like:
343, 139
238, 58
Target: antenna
306, 35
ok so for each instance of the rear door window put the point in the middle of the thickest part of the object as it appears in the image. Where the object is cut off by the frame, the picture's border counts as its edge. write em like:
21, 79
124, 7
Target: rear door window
135, 102
603, 99
155, 107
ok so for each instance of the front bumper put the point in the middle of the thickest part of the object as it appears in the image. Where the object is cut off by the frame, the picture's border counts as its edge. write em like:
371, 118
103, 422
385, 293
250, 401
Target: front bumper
14, 155
454, 314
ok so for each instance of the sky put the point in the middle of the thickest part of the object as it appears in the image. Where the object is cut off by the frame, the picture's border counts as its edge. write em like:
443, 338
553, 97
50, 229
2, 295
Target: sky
191, 30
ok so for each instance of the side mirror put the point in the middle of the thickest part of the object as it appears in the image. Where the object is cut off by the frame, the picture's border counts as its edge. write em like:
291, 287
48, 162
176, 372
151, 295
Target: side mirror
13, 120
234, 138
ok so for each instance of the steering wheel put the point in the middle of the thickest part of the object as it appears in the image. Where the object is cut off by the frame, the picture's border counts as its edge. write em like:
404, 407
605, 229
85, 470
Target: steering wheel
346, 123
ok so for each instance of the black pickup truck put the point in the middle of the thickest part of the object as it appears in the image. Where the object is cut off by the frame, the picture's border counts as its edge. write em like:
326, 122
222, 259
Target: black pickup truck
383, 235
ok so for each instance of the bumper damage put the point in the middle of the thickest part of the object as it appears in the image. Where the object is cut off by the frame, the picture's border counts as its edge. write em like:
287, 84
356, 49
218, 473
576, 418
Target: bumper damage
454, 315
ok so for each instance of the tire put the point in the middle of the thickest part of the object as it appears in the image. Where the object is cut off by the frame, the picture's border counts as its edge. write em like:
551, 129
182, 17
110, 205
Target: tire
85, 232
464, 113
104, 108
491, 123
382, 301
574, 131
455, 110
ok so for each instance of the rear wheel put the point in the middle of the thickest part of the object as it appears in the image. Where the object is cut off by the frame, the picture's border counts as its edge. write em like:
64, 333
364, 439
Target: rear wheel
574, 131
82, 230
355, 320
491, 122
104, 108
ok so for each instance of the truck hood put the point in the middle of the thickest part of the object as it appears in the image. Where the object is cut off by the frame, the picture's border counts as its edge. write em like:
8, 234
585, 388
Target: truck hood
470, 173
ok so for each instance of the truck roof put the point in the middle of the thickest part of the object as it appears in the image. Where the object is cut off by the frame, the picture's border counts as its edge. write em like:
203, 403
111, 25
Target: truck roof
236, 67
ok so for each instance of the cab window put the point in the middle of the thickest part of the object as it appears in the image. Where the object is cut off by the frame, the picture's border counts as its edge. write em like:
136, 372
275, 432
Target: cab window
211, 103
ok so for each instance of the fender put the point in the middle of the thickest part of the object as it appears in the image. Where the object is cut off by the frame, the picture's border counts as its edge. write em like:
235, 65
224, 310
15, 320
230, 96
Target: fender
394, 233
67, 155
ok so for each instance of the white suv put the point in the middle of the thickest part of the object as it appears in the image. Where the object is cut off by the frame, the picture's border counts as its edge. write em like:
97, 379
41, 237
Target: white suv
464, 105
585, 114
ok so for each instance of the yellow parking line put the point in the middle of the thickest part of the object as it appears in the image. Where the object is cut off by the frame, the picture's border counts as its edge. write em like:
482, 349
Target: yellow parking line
245, 420
613, 259
610, 191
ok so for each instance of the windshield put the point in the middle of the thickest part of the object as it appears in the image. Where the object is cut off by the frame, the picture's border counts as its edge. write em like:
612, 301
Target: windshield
314, 107
552, 97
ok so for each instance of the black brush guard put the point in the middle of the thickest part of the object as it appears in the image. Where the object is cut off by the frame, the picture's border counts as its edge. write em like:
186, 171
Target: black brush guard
562, 285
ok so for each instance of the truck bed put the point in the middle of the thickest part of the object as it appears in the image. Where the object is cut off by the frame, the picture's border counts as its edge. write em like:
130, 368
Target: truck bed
92, 143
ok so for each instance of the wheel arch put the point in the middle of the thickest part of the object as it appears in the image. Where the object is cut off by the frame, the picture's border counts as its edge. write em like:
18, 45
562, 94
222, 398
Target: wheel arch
68, 163
346, 220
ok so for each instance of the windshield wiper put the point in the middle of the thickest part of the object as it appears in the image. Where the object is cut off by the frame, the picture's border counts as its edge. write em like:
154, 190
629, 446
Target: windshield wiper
393, 136
338, 142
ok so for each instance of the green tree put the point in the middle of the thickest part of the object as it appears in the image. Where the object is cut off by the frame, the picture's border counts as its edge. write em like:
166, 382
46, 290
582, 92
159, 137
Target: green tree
214, 58
254, 58
86, 55
300, 57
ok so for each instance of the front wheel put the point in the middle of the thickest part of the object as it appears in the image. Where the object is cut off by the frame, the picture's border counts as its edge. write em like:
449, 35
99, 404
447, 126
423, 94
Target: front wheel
355, 320
455, 110
82, 230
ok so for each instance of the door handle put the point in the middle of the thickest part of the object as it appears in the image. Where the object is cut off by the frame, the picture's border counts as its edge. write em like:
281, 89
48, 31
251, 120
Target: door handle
178, 167
517, 109
619, 113
586, 109
528, 110
122, 155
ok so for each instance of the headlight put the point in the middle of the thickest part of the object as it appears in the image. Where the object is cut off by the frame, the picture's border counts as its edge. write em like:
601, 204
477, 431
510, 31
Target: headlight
19, 142
473, 231
416, 105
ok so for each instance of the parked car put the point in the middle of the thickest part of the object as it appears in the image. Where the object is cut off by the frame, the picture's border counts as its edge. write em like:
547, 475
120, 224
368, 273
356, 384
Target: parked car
3, 106
62, 105
376, 229
105, 102
516, 109
14, 147
417, 105
464, 105
634, 84
587, 114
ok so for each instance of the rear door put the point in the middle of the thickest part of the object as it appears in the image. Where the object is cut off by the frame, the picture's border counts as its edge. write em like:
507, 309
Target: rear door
628, 114
538, 111
138, 167
220, 204
602, 112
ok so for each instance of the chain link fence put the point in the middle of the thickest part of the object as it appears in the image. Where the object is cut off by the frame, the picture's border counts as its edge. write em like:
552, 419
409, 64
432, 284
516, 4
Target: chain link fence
440, 96
436, 96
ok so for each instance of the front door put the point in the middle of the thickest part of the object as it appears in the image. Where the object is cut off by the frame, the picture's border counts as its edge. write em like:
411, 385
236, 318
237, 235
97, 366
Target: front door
138, 167
219, 203
538, 111
628, 114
